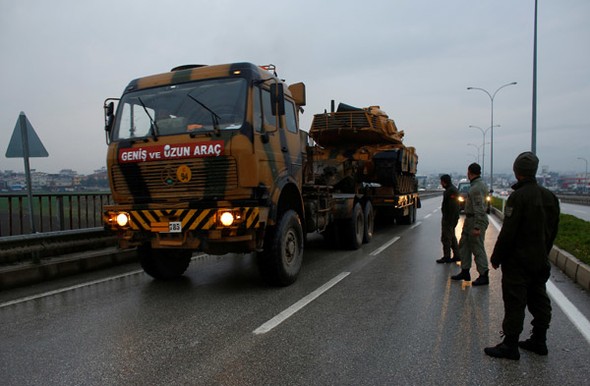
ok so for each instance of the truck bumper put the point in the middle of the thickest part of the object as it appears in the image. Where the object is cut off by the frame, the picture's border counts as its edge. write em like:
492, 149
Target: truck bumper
196, 229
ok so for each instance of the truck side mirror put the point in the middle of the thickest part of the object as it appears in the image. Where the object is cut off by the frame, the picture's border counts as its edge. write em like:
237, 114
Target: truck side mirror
109, 115
277, 98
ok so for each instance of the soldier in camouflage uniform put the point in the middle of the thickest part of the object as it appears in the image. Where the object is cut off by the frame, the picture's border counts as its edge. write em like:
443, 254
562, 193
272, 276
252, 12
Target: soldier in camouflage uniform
474, 229
450, 217
530, 225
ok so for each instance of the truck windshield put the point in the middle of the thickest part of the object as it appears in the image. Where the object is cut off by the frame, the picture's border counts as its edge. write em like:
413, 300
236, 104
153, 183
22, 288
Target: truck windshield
208, 105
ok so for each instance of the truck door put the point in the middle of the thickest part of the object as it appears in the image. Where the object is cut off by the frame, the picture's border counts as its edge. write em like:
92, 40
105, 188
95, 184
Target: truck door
276, 140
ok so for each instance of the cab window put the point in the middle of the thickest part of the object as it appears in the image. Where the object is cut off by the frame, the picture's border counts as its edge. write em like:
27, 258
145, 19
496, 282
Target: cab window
269, 119
290, 117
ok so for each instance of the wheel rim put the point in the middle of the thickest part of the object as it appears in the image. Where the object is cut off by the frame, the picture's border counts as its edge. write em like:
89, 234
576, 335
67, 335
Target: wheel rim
290, 249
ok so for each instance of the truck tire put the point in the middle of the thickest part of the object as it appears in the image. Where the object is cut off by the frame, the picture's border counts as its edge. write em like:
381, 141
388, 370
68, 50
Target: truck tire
280, 261
164, 264
410, 218
369, 217
353, 229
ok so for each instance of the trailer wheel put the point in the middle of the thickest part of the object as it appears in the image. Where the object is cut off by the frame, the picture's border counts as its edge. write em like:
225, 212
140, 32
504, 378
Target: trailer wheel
164, 264
280, 261
353, 228
369, 217
410, 218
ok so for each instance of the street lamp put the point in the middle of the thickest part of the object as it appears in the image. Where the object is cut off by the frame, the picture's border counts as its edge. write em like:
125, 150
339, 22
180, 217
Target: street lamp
492, 96
585, 175
483, 157
477, 147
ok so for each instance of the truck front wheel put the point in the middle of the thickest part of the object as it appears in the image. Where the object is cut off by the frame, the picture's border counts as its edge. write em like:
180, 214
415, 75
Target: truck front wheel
280, 261
164, 264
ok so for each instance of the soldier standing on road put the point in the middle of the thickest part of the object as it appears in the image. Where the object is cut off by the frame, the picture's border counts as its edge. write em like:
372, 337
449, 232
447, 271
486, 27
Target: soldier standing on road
474, 229
530, 226
450, 216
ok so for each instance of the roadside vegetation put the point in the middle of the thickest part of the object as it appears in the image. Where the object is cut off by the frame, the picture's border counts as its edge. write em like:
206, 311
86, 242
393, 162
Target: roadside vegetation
574, 237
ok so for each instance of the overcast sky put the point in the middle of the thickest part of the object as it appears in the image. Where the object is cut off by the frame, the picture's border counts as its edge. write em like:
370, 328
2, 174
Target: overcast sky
62, 58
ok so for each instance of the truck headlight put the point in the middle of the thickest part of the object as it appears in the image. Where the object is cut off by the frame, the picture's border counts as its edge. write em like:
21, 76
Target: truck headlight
122, 219
226, 218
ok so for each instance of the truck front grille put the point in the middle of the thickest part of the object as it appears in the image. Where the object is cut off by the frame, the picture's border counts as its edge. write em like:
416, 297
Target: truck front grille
159, 181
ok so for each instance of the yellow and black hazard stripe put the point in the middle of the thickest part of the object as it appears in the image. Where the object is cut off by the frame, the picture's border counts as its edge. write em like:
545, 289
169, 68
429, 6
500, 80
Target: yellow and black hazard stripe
191, 219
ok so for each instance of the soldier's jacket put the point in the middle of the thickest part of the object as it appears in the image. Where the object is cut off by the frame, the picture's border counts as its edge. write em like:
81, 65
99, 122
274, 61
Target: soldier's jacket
531, 218
450, 206
475, 205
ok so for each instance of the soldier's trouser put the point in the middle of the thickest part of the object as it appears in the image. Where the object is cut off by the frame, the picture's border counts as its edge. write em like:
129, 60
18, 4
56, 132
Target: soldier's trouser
473, 245
520, 290
448, 239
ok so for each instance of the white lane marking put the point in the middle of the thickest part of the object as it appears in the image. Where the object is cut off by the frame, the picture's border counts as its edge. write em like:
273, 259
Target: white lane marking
66, 289
569, 309
573, 314
428, 215
384, 246
416, 225
284, 315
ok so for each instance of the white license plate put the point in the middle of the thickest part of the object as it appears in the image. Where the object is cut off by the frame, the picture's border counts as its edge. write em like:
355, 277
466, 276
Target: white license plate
174, 227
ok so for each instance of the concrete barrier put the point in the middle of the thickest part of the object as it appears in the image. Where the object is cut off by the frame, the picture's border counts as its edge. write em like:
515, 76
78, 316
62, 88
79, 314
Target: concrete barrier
26, 273
34, 247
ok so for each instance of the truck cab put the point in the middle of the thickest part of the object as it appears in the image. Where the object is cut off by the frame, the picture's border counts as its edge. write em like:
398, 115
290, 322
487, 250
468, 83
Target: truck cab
203, 158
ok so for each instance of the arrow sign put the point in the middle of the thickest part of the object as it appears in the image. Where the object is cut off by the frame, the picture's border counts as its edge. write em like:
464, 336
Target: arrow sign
24, 134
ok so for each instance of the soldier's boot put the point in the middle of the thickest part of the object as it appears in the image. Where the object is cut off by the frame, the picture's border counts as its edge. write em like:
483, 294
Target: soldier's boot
455, 258
537, 342
483, 279
463, 275
507, 349
444, 259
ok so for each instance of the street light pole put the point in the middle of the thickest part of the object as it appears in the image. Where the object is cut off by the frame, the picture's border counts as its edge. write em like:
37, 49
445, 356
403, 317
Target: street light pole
585, 175
477, 147
483, 157
492, 96
534, 114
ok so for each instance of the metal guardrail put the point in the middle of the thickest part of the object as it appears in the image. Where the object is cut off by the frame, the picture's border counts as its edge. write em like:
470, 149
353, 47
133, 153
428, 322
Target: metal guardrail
577, 200
52, 211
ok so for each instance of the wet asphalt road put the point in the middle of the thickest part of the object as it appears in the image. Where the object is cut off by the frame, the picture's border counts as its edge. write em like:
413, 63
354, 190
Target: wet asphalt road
386, 314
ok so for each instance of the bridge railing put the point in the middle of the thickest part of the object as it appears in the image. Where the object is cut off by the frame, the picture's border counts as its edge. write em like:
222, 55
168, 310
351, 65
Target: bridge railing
52, 211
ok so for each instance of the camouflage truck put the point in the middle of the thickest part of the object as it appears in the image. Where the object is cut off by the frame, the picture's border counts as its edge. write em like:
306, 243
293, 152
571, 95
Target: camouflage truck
212, 159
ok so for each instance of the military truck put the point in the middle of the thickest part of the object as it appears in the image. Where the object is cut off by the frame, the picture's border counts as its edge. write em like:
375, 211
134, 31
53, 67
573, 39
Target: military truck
212, 159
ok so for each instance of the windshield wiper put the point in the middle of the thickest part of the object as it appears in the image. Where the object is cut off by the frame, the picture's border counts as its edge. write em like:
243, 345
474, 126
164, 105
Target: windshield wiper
213, 114
155, 128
